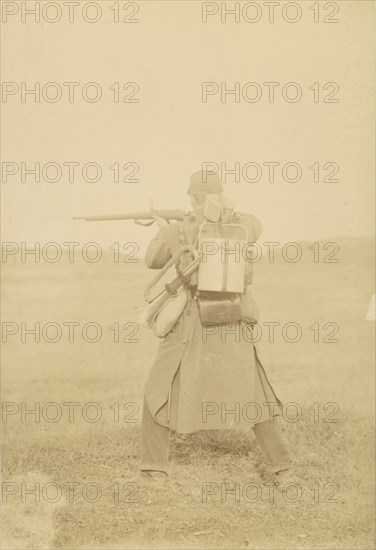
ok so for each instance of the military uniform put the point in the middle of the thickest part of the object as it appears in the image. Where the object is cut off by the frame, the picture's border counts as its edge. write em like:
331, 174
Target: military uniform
206, 379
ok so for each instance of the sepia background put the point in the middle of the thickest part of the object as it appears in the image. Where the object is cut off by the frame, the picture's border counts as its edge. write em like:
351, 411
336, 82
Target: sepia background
170, 133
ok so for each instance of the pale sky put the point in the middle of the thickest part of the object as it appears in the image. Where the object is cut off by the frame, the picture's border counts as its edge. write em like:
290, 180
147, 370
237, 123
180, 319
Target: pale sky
171, 132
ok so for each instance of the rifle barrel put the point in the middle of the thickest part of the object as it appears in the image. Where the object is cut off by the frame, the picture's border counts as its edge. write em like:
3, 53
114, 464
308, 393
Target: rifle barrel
177, 215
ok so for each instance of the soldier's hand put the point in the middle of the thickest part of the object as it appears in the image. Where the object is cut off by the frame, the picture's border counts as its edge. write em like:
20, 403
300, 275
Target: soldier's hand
161, 222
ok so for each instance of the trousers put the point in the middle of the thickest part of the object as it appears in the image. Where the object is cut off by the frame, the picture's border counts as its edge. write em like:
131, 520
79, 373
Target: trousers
156, 438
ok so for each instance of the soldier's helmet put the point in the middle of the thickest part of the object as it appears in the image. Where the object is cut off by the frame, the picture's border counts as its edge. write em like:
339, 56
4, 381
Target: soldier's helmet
204, 182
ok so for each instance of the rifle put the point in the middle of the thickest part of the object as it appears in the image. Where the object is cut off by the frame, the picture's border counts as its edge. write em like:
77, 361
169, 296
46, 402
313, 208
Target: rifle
150, 216
216, 209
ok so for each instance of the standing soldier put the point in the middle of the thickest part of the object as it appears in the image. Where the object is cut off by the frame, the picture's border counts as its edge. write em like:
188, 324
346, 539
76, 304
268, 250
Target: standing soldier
207, 374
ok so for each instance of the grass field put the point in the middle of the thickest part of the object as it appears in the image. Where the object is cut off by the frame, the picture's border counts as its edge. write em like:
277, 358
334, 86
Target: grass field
334, 461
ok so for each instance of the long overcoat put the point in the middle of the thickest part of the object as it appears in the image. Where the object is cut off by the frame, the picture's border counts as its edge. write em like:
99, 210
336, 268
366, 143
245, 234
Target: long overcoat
206, 377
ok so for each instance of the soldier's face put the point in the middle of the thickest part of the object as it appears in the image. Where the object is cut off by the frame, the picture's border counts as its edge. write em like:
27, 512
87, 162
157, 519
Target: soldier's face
197, 200
193, 201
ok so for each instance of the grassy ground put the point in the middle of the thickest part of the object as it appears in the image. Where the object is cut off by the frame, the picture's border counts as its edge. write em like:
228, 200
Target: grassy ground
335, 459
180, 517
